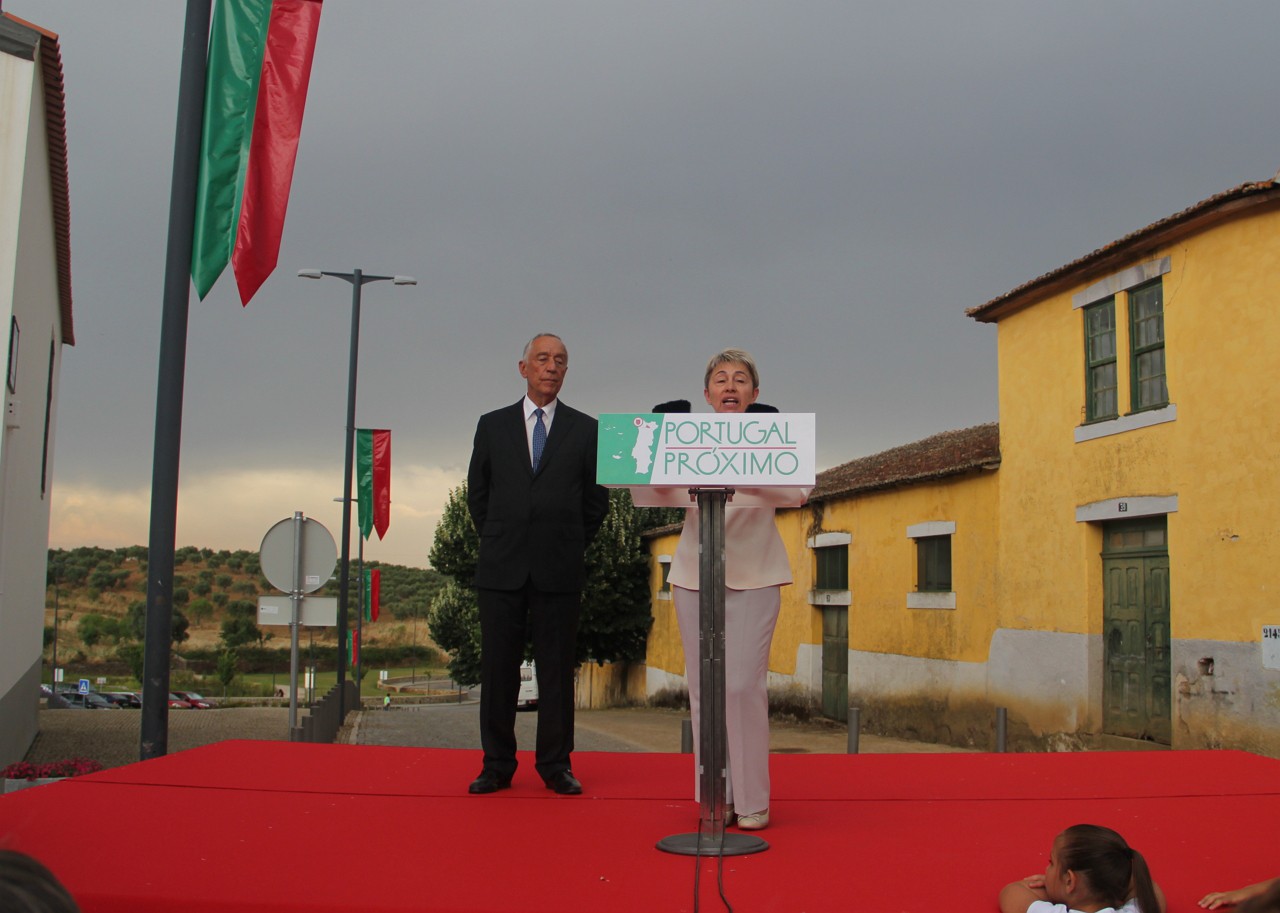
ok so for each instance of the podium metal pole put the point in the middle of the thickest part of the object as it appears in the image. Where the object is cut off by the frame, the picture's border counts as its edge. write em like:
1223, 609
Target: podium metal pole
710, 839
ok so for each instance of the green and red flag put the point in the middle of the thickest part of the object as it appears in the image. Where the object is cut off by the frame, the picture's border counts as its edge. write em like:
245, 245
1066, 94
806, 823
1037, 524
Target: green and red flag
260, 54
372, 593
373, 479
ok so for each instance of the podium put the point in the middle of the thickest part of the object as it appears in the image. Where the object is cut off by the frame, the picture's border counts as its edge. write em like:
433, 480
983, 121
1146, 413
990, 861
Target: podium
712, 739
762, 452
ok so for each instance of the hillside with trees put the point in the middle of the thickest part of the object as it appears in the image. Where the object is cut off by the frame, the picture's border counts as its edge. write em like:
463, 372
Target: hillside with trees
95, 608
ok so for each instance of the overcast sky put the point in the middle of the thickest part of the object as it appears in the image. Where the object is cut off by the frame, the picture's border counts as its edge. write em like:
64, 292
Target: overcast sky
827, 184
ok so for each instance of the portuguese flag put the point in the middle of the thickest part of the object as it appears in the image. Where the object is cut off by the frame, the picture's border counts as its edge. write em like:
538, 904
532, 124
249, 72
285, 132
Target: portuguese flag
259, 64
373, 479
372, 593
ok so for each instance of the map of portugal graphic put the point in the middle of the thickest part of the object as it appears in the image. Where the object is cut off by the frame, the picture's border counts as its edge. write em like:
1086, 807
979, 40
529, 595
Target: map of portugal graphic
642, 452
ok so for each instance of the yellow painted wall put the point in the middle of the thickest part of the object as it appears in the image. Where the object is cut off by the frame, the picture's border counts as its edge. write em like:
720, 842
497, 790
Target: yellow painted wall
1222, 332
882, 568
798, 622
664, 650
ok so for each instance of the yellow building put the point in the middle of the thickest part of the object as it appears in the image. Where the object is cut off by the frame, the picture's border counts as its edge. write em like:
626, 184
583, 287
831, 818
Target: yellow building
1098, 563
1140, 418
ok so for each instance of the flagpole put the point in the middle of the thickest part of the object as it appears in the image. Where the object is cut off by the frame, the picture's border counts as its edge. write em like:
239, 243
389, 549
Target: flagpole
358, 280
154, 740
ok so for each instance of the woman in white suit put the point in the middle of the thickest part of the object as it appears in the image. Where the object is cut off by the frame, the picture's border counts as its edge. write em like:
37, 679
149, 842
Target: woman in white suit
756, 568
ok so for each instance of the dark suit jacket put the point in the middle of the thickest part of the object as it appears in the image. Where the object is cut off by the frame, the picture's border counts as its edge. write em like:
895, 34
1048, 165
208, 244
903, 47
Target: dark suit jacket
534, 525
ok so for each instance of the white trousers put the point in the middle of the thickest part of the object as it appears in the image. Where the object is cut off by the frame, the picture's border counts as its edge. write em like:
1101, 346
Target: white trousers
749, 619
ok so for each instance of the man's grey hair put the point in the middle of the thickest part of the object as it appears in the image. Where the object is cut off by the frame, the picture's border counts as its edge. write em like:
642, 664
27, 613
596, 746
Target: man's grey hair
524, 355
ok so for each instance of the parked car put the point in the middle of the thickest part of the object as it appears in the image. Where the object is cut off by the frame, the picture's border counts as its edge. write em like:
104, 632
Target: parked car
116, 700
195, 700
45, 691
528, 696
125, 699
177, 703
90, 701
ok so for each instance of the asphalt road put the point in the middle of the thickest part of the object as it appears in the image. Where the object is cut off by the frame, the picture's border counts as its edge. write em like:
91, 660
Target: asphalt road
112, 737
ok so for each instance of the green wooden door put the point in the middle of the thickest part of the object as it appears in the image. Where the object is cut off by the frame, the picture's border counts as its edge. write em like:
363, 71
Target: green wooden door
1137, 695
835, 662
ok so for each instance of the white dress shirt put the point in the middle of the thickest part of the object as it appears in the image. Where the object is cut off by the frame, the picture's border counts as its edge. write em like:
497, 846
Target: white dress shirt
530, 420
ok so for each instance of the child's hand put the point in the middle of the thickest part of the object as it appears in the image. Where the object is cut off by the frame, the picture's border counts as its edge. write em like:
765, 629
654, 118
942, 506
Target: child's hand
1034, 881
1224, 898
1216, 899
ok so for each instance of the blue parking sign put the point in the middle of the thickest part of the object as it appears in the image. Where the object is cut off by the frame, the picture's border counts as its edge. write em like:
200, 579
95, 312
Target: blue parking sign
84, 686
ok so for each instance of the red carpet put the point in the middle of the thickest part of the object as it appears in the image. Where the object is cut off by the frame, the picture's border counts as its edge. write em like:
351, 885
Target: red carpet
275, 826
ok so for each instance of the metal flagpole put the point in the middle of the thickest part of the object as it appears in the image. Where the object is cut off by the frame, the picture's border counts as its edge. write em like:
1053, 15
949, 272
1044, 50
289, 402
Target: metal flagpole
154, 740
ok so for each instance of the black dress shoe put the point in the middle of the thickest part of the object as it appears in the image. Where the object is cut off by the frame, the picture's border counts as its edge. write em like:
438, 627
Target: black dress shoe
488, 782
564, 783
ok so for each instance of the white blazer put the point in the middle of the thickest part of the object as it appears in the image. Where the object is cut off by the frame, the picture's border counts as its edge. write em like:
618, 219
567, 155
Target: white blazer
754, 556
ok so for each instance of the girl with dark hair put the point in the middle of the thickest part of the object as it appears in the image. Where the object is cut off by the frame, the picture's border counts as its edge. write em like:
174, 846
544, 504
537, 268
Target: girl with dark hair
1091, 870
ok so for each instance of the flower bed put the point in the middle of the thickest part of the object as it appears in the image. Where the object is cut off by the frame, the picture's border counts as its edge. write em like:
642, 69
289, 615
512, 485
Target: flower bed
21, 774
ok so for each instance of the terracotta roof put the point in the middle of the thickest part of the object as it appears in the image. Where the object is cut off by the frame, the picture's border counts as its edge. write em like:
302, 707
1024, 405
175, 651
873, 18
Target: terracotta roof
1120, 253
55, 114
950, 453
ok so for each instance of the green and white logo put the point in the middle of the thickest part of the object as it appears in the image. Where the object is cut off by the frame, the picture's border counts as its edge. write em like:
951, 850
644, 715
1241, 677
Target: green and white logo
741, 448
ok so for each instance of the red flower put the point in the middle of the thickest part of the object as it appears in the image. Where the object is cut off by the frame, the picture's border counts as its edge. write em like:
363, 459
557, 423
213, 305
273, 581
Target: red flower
71, 767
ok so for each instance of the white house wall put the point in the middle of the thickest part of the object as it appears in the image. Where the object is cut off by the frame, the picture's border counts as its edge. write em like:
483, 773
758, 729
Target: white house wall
29, 292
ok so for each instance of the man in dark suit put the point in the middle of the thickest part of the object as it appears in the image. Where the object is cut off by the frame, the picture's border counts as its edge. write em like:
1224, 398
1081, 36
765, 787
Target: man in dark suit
532, 492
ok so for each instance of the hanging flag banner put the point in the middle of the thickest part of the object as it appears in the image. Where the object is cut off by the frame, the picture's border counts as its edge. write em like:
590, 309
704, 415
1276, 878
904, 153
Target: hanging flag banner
754, 449
372, 592
260, 54
373, 479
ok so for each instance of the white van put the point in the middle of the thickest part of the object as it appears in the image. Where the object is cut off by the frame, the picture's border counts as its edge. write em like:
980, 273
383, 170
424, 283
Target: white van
528, 696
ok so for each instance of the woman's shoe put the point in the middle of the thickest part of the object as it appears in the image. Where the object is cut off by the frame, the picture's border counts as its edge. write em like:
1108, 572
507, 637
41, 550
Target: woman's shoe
754, 822
729, 817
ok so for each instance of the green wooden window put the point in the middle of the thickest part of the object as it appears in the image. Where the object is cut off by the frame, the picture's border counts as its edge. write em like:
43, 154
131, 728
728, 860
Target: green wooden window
1146, 344
1100, 361
933, 564
833, 567
666, 572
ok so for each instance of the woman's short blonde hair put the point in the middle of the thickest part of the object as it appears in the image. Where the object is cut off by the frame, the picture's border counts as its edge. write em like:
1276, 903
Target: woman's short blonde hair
732, 356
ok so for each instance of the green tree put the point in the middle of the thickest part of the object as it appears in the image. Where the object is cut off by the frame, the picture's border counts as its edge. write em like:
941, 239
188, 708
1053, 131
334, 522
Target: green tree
178, 628
133, 656
456, 545
201, 610
91, 629
454, 622
616, 612
135, 621
241, 626
227, 660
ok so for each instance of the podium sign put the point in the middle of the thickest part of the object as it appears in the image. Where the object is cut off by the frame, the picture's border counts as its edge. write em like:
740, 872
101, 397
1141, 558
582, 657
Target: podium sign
763, 459
728, 449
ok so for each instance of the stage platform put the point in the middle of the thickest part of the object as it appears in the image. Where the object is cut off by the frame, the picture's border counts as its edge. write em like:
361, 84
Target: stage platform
278, 826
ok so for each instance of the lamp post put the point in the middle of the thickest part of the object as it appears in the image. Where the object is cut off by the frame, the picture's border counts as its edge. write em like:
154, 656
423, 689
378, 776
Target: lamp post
358, 280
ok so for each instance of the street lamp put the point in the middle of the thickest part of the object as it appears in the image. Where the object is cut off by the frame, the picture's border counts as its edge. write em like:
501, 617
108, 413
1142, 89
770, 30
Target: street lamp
358, 280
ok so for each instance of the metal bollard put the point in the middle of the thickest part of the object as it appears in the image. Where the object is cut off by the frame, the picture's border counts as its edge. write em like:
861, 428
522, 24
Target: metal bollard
855, 724
686, 736
1002, 728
